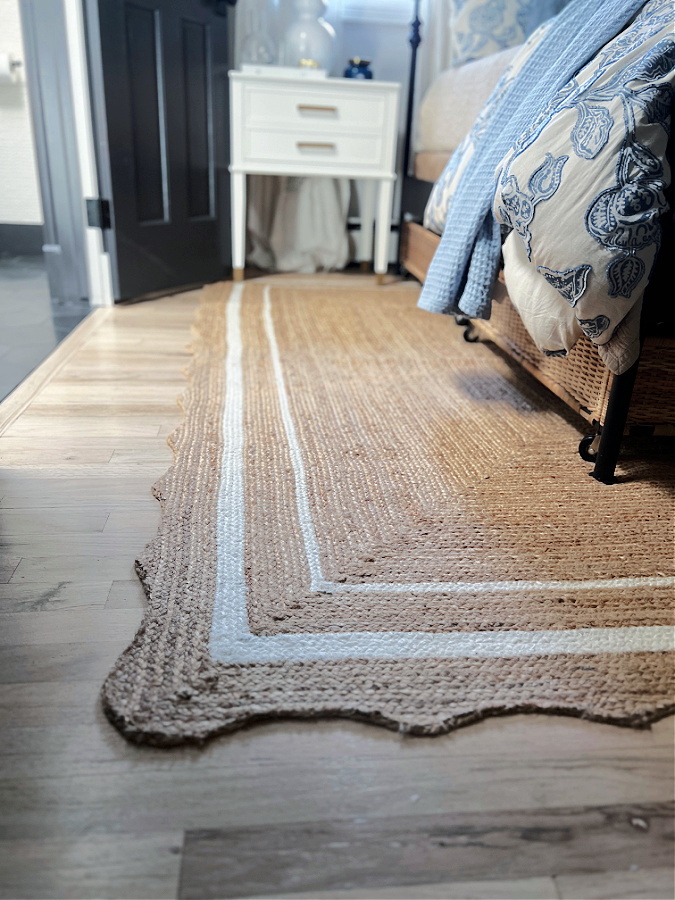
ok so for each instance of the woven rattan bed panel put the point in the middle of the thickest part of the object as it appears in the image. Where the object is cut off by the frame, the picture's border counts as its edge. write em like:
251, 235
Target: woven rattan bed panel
581, 379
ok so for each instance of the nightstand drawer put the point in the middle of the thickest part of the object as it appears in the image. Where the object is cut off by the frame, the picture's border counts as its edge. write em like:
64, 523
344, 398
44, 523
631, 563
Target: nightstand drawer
309, 148
314, 107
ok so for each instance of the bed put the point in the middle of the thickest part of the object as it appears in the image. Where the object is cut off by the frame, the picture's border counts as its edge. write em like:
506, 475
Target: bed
639, 399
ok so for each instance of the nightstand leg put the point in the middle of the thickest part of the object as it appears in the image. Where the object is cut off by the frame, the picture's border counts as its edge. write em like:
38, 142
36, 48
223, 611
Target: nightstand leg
238, 188
366, 191
383, 228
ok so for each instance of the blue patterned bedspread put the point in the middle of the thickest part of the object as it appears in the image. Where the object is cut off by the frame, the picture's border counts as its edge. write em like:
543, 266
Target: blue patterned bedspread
580, 192
462, 272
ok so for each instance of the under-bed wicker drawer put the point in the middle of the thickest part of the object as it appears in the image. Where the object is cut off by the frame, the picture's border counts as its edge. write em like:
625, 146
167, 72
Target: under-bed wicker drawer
581, 378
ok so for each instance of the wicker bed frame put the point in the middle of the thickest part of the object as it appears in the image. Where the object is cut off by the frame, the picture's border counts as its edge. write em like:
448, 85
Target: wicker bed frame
642, 399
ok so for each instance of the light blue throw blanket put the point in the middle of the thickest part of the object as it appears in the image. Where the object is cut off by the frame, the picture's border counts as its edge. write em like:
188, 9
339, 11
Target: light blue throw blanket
465, 265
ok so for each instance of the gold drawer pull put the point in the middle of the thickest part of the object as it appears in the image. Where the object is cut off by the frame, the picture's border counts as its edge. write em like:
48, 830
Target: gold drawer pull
308, 145
328, 109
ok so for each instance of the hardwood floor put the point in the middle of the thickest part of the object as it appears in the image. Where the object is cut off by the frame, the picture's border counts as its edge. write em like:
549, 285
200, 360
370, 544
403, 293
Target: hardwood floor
518, 807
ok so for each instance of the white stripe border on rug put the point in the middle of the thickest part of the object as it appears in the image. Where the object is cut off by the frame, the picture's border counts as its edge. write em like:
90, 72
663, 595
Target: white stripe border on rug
231, 638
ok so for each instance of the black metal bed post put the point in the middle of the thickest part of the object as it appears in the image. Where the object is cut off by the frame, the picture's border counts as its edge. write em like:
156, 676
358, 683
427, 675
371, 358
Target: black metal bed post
414, 39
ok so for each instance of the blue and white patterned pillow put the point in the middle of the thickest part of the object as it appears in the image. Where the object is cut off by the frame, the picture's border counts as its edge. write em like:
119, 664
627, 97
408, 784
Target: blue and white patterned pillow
481, 27
584, 187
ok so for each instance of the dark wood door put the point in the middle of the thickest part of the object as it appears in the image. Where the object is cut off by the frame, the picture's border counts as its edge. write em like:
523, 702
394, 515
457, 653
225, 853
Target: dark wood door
163, 66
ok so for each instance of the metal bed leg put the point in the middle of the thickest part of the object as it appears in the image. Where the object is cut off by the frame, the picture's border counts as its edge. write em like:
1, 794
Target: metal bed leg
614, 425
470, 334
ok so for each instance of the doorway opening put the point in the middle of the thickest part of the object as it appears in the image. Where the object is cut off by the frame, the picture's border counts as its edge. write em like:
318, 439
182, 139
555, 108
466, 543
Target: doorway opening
43, 281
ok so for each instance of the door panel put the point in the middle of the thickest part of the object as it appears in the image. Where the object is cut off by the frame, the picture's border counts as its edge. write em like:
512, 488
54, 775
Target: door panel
198, 118
148, 118
164, 73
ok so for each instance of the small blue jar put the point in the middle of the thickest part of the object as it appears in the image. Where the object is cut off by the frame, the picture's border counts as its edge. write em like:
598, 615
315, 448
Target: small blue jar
358, 68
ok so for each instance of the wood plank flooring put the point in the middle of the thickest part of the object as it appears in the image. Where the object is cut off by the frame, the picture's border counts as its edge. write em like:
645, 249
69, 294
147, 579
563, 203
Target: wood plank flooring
524, 806
418, 849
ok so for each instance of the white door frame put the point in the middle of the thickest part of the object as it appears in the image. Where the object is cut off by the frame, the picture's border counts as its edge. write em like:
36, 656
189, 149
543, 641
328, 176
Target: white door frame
97, 260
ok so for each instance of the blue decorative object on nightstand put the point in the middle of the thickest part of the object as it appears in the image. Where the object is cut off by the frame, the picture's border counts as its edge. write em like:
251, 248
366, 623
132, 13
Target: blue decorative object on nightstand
358, 68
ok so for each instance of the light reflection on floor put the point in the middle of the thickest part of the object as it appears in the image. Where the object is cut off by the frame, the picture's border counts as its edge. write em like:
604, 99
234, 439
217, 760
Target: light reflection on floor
31, 324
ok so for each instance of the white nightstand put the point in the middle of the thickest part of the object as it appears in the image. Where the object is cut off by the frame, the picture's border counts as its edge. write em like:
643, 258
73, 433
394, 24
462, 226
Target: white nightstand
340, 127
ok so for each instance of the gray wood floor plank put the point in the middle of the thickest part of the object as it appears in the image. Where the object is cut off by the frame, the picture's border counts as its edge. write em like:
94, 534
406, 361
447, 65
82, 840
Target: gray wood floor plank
80, 488
68, 625
77, 747
59, 661
19, 459
47, 595
42, 705
130, 866
635, 884
127, 594
120, 522
33, 430
116, 567
320, 856
513, 889
8, 565
142, 794
73, 544
46, 521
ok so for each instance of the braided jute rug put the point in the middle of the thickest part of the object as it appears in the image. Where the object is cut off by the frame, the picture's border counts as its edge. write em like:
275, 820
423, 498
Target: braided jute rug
369, 517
